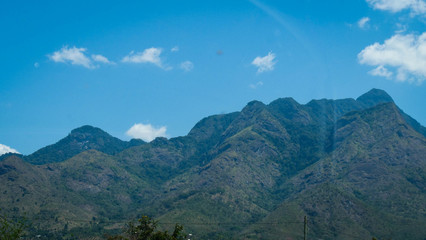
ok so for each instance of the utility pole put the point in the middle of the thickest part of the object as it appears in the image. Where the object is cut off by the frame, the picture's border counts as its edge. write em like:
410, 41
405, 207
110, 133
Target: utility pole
305, 229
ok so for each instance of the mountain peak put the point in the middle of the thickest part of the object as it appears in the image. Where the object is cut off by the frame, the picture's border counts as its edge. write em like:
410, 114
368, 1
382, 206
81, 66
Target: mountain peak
10, 154
290, 109
253, 106
374, 97
79, 140
87, 129
285, 101
255, 103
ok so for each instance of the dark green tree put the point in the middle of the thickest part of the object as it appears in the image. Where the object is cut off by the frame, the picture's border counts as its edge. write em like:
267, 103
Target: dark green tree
145, 230
11, 229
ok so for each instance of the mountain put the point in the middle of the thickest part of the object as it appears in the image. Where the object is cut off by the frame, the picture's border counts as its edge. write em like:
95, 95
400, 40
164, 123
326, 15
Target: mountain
7, 155
371, 184
80, 140
374, 97
355, 168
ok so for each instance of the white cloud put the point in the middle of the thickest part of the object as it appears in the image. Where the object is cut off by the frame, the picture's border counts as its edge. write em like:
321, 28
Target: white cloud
401, 28
149, 55
256, 85
175, 49
381, 71
265, 63
72, 55
146, 132
416, 6
187, 66
363, 22
76, 56
404, 53
100, 58
6, 149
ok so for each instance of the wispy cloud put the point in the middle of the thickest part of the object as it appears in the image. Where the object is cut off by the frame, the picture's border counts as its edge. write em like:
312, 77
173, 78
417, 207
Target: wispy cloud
406, 54
256, 85
416, 6
186, 66
265, 63
175, 49
72, 55
149, 55
381, 71
401, 28
6, 149
76, 56
146, 132
363, 22
100, 58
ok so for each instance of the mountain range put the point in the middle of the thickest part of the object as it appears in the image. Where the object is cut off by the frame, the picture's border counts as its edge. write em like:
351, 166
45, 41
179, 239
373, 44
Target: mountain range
355, 167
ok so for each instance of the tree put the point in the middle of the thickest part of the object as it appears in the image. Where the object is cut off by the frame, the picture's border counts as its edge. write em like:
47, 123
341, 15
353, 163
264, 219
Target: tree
11, 230
145, 230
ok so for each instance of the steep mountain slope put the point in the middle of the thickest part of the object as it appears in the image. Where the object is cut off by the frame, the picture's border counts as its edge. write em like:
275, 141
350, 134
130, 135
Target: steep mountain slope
354, 167
376, 96
372, 183
80, 140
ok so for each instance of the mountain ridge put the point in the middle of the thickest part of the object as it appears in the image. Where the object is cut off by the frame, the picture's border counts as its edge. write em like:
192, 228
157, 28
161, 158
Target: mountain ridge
352, 168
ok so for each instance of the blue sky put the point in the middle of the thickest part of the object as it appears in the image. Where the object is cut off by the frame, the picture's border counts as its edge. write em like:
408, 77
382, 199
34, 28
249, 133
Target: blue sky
155, 68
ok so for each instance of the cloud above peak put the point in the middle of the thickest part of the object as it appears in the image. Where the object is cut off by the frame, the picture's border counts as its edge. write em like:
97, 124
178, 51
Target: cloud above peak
264, 64
402, 56
416, 6
6, 149
146, 132
77, 56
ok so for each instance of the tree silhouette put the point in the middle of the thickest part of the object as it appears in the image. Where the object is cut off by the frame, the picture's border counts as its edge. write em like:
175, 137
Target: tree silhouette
145, 230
